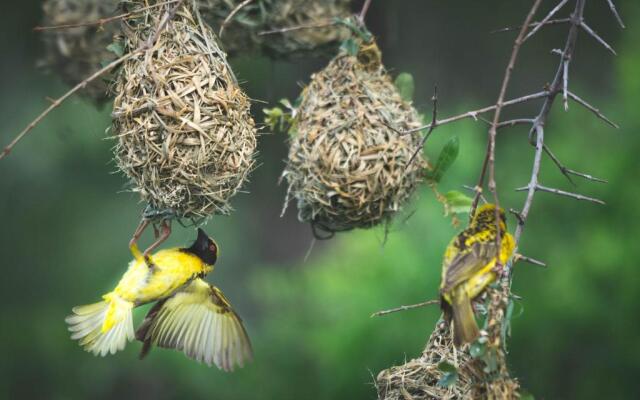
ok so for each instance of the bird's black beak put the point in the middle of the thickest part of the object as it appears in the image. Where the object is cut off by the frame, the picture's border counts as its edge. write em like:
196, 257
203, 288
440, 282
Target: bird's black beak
202, 238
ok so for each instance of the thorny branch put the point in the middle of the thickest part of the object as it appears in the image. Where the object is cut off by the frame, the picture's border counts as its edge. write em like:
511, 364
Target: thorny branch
170, 14
500, 297
493, 130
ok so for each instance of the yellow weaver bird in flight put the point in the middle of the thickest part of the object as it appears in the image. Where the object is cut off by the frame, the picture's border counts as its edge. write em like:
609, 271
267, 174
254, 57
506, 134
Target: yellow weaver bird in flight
190, 315
469, 266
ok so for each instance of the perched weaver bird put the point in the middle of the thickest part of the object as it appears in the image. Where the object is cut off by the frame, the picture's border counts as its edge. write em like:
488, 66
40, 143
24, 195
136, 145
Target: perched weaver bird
469, 266
190, 315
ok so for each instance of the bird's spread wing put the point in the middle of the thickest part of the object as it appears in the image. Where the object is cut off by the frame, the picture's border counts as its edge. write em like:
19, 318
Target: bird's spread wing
467, 263
200, 322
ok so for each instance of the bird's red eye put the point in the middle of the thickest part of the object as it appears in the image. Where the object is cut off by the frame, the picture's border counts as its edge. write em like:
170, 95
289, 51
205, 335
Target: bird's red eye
212, 247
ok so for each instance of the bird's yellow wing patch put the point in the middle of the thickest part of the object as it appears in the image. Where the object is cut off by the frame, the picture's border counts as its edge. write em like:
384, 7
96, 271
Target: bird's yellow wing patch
200, 322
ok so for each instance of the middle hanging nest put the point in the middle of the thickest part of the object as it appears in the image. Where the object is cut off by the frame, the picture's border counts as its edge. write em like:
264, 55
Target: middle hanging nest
348, 164
186, 138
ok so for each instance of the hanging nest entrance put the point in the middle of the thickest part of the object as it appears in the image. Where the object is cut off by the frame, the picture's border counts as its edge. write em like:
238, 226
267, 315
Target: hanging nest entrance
348, 164
185, 136
76, 53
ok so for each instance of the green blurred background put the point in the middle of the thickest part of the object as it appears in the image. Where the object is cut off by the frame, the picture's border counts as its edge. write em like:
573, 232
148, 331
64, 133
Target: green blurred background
66, 221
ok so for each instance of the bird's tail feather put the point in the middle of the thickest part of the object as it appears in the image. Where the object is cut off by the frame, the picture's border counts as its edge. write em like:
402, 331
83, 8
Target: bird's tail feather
102, 328
465, 327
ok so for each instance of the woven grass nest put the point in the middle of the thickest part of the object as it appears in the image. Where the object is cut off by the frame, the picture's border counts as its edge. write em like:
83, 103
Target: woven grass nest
185, 136
348, 166
75, 53
418, 379
294, 13
241, 34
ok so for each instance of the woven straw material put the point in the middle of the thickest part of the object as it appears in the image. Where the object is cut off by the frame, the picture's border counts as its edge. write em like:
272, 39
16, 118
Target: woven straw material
185, 136
348, 165
75, 53
418, 378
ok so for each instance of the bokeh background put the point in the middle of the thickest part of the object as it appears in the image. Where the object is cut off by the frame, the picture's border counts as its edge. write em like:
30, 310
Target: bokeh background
65, 222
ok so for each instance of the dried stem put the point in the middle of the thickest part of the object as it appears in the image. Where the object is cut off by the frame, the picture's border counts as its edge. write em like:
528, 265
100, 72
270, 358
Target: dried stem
545, 20
231, 15
317, 25
615, 13
432, 126
56, 103
102, 21
404, 308
364, 11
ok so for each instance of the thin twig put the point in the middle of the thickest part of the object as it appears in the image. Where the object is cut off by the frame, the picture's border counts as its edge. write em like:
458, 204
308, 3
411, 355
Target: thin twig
559, 192
591, 108
231, 15
474, 114
615, 13
597, 37
432, 126
537, 131
546, 19
489, 160
56, 103
101, 21
519, 257
404, 308
533, 25
564, 170
364, 11
317, 25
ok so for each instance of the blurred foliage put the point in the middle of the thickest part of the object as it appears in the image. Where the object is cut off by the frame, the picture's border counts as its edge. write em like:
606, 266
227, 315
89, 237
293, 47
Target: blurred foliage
65, 230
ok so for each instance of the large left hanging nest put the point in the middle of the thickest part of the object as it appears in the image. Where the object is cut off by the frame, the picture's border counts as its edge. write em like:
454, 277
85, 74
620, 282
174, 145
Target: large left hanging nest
77, 52
185, 136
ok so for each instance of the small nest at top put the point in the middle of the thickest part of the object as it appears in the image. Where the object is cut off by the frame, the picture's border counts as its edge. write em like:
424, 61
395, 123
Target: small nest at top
76, 53
186, 138
348, 165
242, 32
306, 13
240, 35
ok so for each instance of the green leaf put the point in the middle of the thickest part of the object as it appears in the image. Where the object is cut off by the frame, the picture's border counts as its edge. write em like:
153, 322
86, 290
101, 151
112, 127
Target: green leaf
457, 202
274, 117
447, 367
449, 379
406, 86
477, 349
505, 329
350, 46
116, 48
445, 160
450, 376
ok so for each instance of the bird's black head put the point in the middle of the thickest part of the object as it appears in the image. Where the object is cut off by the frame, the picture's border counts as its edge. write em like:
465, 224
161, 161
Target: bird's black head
205, 248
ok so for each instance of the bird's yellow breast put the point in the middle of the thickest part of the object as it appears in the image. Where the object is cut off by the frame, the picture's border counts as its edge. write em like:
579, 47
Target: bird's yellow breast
172, 268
